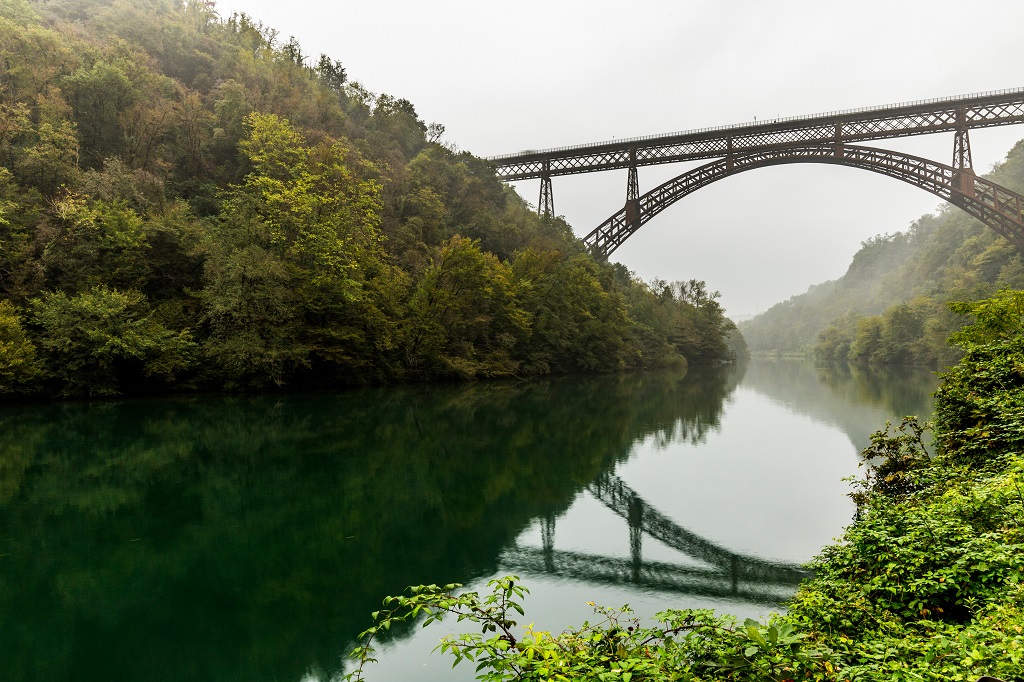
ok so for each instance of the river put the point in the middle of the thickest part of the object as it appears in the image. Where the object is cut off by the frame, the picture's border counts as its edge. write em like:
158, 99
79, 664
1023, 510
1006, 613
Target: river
249, 538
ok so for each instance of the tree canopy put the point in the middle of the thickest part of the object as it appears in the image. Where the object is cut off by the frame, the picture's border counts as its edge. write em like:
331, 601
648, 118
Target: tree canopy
189, 201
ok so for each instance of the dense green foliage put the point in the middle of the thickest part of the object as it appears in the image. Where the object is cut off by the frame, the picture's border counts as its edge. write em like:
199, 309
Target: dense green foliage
889, 307
687, 645
927, 583
188, 201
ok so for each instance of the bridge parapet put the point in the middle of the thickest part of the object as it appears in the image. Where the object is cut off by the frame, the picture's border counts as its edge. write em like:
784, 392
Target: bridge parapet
823, 138
980, 110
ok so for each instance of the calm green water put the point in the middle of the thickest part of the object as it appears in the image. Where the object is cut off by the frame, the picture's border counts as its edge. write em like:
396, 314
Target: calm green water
249, 538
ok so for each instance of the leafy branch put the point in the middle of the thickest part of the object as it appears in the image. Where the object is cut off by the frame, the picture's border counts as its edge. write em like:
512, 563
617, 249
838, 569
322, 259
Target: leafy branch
686, 645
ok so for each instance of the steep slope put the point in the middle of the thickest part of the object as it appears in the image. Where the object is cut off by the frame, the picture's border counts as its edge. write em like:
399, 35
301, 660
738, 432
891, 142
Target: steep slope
892, 297
189, 202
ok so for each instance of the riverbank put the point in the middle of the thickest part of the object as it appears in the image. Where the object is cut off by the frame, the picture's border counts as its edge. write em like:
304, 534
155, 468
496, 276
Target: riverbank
925, 584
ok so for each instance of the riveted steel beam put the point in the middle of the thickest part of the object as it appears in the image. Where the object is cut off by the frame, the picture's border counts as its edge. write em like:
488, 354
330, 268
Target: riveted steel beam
948, 114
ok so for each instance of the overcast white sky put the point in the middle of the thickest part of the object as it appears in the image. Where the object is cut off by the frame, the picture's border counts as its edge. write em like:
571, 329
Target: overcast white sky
530, 74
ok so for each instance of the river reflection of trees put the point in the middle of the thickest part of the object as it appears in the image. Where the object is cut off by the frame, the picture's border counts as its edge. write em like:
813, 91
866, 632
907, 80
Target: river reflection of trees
248, 538
857, 399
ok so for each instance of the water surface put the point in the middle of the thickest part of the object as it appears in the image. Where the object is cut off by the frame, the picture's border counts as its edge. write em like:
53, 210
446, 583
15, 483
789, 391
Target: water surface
249, 538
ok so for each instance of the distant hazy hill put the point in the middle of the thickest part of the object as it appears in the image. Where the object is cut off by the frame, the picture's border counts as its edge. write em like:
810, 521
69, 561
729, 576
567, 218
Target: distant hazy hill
890, 304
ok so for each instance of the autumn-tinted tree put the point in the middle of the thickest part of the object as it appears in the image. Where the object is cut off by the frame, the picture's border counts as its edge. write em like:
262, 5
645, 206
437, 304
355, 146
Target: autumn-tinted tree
174, 172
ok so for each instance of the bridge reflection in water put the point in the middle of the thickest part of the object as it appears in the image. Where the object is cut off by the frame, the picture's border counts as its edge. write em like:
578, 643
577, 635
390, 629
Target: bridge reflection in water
724, 573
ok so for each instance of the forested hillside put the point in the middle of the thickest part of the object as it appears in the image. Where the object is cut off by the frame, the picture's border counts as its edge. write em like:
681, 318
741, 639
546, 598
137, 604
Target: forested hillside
188, 201
891, 305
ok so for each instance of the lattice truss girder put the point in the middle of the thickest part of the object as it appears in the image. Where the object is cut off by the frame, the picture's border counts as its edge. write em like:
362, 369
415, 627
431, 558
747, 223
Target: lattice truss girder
996, 206
867, 125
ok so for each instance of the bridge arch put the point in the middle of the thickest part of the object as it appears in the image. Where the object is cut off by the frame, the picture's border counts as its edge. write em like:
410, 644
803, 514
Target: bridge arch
997, 207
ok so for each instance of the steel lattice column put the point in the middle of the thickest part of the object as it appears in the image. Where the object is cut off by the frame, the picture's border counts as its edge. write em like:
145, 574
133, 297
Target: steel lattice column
632, 183
632, 191
546, 203
964, 180
962, 151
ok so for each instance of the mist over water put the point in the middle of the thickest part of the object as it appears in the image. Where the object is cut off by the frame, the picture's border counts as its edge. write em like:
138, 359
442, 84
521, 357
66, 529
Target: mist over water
250, 538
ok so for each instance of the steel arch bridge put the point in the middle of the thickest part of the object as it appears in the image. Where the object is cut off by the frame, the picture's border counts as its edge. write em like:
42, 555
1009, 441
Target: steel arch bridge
819, 138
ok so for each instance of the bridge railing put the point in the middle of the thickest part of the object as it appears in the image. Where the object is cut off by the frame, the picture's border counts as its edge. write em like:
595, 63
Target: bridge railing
772, 121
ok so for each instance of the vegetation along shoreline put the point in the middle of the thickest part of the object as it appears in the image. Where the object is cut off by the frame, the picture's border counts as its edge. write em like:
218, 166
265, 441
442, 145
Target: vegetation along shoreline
927, 583
219, 211
190, 205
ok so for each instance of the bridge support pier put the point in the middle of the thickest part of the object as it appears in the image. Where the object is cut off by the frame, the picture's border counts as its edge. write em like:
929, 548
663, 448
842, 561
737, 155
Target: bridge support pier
546, 203
632, 192
964, 179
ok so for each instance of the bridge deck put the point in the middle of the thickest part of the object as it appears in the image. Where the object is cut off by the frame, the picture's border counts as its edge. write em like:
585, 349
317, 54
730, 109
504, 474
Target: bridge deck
980, 110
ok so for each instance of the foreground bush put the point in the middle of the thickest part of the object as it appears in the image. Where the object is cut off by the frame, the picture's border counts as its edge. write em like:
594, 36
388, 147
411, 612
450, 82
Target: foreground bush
927, 583
690, 644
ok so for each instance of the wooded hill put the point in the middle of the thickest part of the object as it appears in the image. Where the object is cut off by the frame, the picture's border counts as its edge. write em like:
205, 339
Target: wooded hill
891, 305
187, 201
